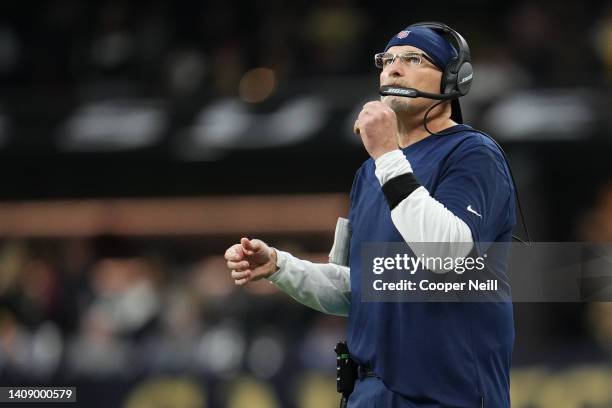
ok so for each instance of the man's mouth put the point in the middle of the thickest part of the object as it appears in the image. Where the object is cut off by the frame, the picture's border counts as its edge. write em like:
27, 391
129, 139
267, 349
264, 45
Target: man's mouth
397, 85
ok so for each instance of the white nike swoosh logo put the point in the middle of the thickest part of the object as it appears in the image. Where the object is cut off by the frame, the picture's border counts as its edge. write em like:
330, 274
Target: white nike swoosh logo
470, 209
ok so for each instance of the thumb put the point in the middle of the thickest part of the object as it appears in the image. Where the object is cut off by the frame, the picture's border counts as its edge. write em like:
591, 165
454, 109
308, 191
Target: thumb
250, 247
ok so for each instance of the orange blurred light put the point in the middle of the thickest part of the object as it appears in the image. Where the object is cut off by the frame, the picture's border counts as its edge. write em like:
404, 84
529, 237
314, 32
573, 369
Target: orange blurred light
257, 85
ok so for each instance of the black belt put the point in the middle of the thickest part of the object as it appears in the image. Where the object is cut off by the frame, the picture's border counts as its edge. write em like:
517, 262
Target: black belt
365, 371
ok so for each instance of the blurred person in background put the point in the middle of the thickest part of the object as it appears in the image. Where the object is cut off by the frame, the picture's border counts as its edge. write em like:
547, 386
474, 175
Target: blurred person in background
124, 307
430, 178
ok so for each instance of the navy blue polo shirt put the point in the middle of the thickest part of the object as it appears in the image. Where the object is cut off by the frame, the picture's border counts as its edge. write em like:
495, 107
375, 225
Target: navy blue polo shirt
438, 354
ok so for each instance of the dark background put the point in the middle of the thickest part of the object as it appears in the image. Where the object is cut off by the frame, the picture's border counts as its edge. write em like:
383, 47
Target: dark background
138, 140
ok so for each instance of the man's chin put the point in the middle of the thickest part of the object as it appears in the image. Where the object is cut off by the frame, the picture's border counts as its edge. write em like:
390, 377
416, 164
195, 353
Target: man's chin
397, 103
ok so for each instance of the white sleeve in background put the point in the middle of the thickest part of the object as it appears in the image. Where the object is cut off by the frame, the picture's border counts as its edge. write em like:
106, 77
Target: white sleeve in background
323, 287
421, 218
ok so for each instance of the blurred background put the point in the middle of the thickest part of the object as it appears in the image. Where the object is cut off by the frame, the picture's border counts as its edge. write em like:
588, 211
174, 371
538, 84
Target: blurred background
139, 140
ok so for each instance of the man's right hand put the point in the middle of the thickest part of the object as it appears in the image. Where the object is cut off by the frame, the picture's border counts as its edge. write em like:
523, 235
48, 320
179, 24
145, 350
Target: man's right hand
250, 260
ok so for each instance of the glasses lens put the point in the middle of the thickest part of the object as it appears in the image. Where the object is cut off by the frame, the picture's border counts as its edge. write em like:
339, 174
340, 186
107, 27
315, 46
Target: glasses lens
378, 60
411, 58
382, 59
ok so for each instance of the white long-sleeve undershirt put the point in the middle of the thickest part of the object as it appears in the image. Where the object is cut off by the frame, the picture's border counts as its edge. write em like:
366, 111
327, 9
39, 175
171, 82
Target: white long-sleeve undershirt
419, 218
323, 287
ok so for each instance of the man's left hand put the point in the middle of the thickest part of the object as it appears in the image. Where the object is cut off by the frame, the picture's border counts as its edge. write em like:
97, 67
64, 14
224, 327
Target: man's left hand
377, 126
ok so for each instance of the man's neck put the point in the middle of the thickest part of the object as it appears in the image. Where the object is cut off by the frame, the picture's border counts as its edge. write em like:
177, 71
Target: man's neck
412, 130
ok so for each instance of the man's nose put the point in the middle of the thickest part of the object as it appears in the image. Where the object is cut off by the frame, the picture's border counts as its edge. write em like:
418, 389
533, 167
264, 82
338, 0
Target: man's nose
395, 68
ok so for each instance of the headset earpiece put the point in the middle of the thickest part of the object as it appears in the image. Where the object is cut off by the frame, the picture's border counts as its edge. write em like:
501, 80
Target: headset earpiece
458, 73
465, 74
449, 77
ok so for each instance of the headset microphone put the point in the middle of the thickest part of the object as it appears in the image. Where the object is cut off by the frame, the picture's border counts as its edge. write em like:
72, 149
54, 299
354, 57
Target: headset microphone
415, 93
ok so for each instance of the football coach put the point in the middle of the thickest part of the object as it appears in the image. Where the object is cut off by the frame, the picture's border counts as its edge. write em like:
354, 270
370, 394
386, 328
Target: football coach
429, 178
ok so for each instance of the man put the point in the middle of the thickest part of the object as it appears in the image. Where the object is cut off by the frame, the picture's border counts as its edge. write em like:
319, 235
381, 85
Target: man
429, 179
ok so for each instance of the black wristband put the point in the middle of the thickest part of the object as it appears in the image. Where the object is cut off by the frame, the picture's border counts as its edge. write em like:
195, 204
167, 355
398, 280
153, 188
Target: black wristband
398, 188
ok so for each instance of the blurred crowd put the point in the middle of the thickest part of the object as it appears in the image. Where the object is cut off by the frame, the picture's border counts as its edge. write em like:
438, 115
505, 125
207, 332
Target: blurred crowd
171, 48
118, 309
65, 52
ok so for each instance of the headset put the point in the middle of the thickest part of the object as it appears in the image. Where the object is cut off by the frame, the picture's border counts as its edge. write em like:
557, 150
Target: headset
456, 82
458, 73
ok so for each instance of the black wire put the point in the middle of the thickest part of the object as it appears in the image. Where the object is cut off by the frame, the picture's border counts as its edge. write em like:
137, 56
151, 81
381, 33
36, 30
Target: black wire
518, 199
427, 114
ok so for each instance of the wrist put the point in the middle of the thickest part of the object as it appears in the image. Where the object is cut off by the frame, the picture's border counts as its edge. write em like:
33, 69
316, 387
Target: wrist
273, 267
390, 165
382, 152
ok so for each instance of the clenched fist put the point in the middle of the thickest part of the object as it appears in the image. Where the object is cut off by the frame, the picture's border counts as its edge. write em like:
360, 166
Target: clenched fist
250, 260
377, 126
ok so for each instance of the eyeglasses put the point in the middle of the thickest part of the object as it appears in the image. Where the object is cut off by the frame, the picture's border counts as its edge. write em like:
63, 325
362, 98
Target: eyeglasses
383, 59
